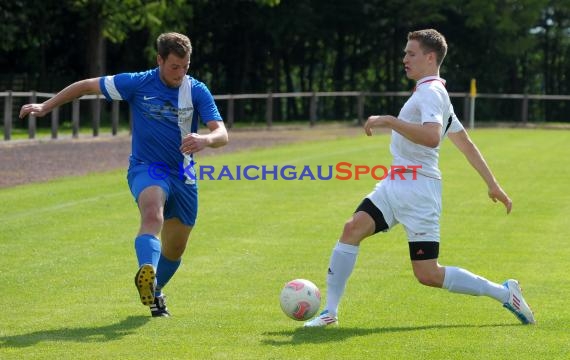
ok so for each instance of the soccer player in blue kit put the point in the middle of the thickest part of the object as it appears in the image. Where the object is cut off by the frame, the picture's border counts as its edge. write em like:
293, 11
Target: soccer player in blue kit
166, 104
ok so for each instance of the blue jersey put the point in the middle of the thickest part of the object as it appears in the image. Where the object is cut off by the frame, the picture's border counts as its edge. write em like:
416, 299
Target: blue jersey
161, 115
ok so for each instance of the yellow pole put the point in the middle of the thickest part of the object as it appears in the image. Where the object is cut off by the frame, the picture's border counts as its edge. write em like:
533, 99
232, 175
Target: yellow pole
472, 96
473, 88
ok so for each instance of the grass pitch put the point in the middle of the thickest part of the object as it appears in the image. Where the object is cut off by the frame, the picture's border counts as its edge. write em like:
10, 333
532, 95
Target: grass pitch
68, 262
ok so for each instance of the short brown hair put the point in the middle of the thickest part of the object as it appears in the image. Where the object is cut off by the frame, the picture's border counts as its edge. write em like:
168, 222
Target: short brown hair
175, 43
430, 40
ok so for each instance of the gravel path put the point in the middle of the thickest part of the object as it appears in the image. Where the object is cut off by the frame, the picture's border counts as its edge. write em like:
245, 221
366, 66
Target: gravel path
28, 161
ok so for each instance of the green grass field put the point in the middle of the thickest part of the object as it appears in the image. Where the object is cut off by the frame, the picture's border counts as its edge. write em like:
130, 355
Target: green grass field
68, 263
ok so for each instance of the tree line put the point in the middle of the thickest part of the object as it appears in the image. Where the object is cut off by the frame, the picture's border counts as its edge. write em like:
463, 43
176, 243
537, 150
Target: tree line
259, 46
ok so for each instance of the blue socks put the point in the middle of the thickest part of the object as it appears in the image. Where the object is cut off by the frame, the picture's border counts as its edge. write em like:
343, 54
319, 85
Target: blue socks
165, 271
147, 248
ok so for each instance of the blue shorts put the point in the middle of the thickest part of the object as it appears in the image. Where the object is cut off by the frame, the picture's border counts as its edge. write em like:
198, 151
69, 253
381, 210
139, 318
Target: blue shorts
181, 198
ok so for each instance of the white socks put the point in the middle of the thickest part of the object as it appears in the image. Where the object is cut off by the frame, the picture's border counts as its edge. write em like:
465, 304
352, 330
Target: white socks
341, 265
461, 281
456, 280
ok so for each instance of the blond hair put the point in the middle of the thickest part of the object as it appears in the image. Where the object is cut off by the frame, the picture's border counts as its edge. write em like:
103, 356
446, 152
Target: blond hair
430, 40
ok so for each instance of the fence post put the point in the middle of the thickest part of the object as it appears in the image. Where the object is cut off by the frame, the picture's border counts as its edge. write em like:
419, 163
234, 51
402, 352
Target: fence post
114, 118
32, 119
96, 120
75, 119
230, 111
313, 109
8, 116
360, 110
54, 122
524, 109
269, 110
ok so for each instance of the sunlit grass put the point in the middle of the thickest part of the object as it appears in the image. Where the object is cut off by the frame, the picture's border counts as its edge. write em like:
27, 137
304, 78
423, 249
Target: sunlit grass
68, 262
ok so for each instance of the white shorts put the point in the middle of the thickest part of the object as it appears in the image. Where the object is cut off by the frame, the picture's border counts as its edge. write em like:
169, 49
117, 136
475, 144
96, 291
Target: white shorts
415, 203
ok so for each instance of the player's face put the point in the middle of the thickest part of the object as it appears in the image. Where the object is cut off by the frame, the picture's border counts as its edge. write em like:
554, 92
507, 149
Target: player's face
173, 69
418, 64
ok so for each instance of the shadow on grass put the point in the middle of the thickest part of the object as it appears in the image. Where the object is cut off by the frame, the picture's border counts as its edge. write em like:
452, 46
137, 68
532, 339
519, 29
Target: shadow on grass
81, 334
337, 334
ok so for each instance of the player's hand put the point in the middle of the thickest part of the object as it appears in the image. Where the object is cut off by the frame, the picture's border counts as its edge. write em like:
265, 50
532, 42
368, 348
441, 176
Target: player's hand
37, 110
377, 121
497, 193
192, 143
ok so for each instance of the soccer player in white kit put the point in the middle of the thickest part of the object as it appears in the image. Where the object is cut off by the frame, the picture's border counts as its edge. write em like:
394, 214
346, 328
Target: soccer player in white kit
414, 199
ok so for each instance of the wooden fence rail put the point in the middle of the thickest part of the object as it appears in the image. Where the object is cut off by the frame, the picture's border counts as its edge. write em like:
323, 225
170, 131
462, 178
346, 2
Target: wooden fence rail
10, 113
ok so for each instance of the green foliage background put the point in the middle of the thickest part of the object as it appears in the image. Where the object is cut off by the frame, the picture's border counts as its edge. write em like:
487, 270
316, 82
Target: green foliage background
260, 46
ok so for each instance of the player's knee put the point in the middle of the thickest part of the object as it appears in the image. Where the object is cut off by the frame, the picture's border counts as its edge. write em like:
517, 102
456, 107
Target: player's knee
353, 233
152, 218
350, 228
428, 278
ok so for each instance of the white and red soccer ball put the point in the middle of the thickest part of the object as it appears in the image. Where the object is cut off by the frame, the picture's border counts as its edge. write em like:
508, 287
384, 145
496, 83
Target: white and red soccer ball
300, 299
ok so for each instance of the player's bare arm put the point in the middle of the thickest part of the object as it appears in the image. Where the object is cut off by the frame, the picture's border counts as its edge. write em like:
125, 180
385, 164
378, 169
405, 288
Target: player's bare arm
427, 134
73, 91
218, 136
463, 142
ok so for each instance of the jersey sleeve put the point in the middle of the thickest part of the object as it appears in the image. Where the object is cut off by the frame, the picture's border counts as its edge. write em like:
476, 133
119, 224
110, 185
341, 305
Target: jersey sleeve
455, 125
120, 86
432, 106
204, 104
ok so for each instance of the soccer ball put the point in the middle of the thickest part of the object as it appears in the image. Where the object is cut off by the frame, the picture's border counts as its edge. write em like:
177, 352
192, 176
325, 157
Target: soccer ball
300, 299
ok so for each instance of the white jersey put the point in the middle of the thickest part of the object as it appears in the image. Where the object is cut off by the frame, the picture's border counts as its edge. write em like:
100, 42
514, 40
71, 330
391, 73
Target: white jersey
429, 103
